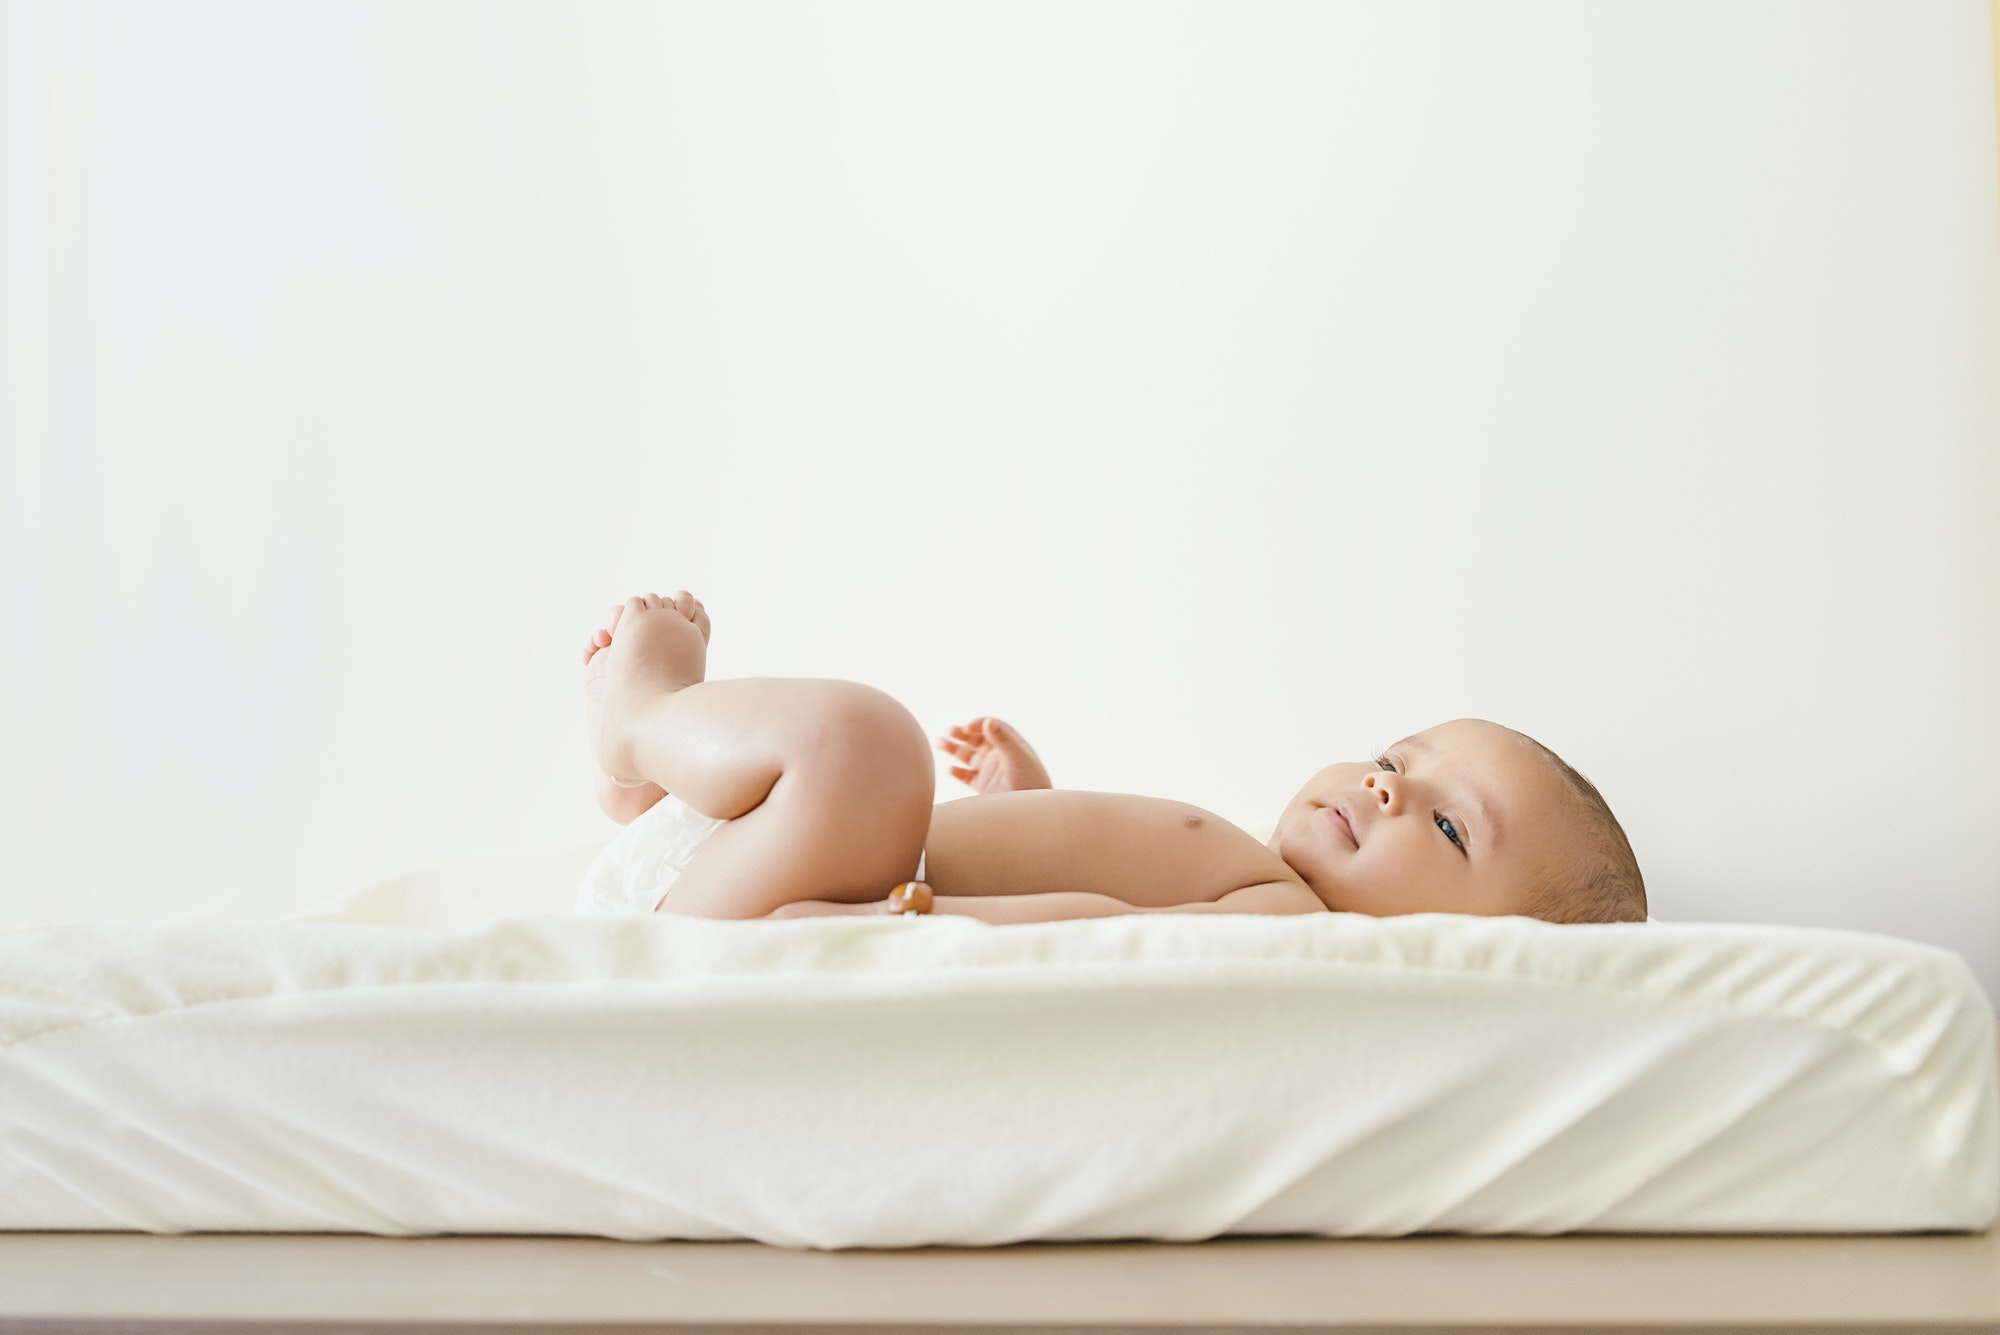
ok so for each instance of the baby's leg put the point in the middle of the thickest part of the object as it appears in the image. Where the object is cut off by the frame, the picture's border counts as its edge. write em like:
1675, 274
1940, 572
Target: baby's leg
827, 785
623, 804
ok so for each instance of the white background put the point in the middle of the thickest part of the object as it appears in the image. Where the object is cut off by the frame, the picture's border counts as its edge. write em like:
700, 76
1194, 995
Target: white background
1215, 391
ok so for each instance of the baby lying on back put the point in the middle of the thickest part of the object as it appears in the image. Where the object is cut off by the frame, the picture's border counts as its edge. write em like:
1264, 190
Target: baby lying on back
768, 797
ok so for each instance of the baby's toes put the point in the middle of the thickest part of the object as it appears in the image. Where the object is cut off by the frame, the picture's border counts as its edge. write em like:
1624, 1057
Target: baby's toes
690, 607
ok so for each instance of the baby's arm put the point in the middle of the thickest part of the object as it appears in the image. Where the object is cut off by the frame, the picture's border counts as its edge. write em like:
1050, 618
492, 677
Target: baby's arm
1113, 848
1271, 897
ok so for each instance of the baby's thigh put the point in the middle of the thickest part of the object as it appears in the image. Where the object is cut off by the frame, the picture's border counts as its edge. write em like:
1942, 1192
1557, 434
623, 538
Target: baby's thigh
846, 824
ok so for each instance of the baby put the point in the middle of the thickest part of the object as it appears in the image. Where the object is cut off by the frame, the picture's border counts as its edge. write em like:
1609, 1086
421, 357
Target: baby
799, 797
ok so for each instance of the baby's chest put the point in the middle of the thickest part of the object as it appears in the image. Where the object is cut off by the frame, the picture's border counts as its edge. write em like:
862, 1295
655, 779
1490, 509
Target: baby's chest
1189, 856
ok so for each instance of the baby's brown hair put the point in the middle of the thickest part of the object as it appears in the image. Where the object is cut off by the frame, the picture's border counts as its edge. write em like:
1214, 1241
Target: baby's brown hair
1598, 879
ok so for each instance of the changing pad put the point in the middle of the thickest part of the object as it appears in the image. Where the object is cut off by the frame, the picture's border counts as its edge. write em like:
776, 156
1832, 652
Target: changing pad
406, 1062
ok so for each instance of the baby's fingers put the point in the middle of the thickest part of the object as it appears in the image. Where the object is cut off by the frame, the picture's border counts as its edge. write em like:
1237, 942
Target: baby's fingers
973, 733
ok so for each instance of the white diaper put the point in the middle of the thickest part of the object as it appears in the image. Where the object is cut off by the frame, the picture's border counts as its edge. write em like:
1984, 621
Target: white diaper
635, 871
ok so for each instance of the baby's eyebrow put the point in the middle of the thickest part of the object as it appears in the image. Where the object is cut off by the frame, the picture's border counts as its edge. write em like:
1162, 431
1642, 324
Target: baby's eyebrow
1489, 826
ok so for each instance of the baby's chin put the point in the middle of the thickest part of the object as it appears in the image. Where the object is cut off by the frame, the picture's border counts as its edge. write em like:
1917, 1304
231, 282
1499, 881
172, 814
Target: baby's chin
1294, 845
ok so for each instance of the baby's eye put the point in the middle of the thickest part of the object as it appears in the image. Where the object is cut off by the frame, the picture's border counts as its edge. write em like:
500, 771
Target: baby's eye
1450, 830
1443, 822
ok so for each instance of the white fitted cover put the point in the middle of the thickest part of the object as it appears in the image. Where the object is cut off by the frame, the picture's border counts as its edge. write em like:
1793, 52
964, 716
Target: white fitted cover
407, 1063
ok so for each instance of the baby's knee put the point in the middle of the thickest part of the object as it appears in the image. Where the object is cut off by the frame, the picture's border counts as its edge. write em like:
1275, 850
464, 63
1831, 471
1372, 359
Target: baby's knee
872, 738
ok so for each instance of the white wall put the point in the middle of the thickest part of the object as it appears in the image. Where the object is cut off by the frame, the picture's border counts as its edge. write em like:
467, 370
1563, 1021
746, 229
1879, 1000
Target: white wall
1214, 390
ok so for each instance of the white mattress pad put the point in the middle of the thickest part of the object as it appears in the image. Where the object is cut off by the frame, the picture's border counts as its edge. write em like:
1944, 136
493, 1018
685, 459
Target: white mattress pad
408, 1063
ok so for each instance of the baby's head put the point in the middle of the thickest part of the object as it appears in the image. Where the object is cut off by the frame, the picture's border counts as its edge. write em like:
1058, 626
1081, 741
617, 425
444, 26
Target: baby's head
1466, 817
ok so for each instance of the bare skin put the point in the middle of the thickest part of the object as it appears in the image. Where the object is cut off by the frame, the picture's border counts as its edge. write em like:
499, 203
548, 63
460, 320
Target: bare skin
994, 758
827, 787
623, 803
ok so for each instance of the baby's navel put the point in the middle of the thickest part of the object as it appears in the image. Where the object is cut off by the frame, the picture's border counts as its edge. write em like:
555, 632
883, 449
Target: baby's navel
1194, 822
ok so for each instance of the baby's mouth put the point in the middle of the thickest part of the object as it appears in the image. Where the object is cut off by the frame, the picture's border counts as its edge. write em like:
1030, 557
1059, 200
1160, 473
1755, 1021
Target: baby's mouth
1340, 822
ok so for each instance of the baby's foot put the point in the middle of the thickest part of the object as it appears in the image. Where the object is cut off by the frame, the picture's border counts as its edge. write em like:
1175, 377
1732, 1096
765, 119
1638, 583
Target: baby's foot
621, 802
993, 758
652, 647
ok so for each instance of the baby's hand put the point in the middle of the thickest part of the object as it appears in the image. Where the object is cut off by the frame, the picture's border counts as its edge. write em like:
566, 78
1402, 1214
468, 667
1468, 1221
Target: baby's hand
994, 758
